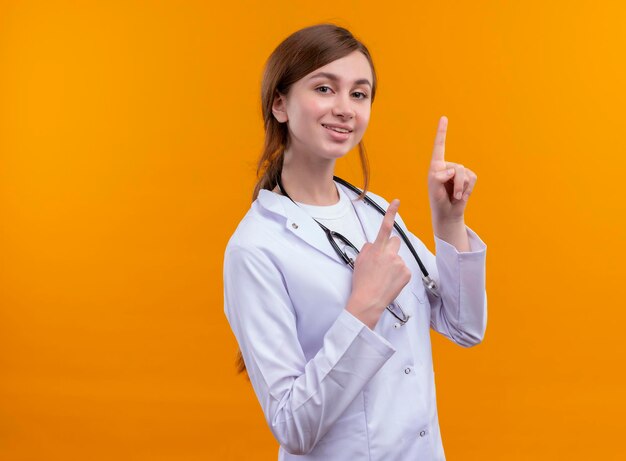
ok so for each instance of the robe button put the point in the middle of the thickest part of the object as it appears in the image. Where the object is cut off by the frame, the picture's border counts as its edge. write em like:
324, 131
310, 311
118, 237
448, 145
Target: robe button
294, 225
422, 434
396, 325
407, 370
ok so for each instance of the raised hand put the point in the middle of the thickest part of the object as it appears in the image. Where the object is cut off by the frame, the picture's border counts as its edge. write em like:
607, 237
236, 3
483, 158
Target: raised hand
379, 273
449, 188
449, 184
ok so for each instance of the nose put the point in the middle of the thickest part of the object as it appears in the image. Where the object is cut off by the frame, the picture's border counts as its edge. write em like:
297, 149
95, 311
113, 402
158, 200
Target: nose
343, 107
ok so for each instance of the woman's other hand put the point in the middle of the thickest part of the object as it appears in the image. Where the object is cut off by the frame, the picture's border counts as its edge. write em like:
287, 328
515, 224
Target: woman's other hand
449, 188
379, 273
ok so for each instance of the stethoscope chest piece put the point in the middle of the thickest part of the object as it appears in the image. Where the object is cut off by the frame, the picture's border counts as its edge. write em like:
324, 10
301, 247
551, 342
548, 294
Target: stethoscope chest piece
430, 285
349, 253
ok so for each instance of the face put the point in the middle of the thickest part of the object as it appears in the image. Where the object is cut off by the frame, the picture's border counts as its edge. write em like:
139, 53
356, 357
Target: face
327, 111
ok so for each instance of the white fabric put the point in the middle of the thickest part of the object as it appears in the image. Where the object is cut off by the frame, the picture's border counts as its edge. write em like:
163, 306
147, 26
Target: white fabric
331, 388
340, 217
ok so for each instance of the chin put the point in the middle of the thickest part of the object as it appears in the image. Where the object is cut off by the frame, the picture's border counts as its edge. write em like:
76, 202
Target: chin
339, 151
337, 155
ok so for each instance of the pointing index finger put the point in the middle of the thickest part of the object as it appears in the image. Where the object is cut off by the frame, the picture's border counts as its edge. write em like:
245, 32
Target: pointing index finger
387, 225
440, 140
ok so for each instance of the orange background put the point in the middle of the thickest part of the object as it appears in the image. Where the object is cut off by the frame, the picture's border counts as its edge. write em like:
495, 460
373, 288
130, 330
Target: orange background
129, 133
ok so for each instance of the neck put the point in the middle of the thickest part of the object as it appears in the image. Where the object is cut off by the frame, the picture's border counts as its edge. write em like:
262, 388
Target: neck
309, 181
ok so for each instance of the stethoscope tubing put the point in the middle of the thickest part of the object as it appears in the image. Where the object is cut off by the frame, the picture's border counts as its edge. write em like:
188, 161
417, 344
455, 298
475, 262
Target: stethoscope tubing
396, 226
429, 283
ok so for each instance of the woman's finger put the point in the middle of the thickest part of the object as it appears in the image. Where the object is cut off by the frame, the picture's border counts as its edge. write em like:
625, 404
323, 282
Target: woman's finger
471, 183
444, 175
387, 224
439, 147
394, 244
459, 179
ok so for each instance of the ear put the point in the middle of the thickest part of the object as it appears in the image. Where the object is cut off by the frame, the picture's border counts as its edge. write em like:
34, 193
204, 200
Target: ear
279, 108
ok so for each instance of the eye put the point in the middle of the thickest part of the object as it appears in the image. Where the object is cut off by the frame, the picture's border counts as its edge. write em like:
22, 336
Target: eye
323, 87
362, 95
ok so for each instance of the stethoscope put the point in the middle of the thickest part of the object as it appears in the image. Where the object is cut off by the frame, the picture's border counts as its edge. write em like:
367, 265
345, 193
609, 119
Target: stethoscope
429, 283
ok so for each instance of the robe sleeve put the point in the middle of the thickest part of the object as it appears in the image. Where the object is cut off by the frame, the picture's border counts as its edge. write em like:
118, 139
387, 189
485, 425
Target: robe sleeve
460, 312
300, 400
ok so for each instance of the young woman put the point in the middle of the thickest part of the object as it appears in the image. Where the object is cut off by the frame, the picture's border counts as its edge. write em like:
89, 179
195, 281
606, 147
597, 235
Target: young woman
328, 303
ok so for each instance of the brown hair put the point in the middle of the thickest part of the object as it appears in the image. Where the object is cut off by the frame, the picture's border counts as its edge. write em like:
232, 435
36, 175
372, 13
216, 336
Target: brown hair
298, 55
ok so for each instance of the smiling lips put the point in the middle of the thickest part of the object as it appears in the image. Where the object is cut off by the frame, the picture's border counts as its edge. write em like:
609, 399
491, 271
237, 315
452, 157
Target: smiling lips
338, 128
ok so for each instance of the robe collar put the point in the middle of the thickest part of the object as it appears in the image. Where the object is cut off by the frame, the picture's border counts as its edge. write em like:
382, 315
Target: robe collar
304, 227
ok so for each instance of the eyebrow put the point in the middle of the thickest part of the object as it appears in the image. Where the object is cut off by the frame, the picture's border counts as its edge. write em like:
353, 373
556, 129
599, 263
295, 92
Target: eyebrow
334, 78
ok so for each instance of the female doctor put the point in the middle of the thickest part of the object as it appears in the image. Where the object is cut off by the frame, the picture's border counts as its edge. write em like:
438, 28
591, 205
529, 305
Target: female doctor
329, 306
